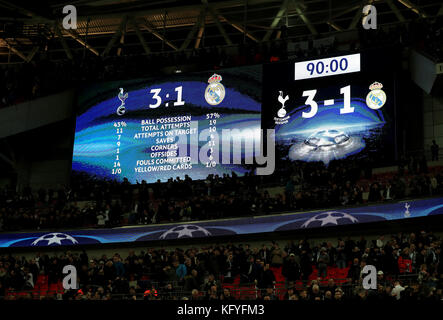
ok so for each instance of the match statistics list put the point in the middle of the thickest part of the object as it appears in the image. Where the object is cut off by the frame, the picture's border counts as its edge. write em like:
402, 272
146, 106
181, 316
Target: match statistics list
164, 137
118, 126
163, 154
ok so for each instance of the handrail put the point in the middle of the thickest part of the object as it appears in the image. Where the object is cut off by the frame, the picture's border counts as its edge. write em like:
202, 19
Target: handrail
237, 290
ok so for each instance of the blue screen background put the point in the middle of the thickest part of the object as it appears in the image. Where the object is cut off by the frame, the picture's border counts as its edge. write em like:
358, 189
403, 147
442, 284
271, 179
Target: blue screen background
95, 135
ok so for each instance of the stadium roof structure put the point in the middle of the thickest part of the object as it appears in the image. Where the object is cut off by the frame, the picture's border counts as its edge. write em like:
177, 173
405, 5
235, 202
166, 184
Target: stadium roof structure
116, 27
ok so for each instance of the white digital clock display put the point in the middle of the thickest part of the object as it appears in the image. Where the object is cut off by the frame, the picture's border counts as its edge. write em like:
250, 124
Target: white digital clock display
327, 67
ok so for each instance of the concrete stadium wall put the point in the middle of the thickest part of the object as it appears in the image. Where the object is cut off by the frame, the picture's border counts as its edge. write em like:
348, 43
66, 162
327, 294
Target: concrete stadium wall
43, 156
36, 113
44, 174
39, 134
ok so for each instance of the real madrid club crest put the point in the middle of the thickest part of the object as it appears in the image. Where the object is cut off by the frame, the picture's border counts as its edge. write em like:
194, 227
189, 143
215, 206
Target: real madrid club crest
122, 97
215, 91
376, 98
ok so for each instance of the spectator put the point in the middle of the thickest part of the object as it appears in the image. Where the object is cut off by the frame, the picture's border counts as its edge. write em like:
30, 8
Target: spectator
331, 286
210, 282
315, 293
290, 292
306, 265
434, 151
291, 269
341, 256
270, 293
338, 295
304, 295
180, 270
267, 278
322, 263
397, 290
354, 271
276, 256
195, 295
192, 281
226, 295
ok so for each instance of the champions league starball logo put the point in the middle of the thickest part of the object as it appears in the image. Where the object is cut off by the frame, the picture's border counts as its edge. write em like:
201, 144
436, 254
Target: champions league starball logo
54, 238
215, 91
186, 230
122, 97
376, 98
330, 217
327, 139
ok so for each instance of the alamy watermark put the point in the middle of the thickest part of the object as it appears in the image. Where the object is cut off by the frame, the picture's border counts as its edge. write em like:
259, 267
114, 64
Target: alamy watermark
70, 281
70, 20
226, 146
370, 279
369, 20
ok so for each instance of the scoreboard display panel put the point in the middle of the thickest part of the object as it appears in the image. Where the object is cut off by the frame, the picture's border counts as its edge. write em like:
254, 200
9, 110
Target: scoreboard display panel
167, 127
326, 109
332, 108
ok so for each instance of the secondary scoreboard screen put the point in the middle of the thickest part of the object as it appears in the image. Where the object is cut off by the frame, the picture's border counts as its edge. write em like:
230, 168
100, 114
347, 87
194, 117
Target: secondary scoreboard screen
333, 108
157, 128
340, 107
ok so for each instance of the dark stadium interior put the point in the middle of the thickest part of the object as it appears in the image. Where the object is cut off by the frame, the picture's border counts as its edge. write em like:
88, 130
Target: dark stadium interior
385, 208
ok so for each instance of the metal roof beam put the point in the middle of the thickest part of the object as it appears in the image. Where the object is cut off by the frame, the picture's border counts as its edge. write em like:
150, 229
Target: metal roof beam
396, 11
197, 7
201, 29
199, 36
200, 20
74, 35
7, 160
27, 58
158, 35
335, 26
63, 41
122, 41
140, 36
32, 54
216, 18
16, 51
305, 19
342, 12
239, 28
276, 20
24, 11
35, 18
116, 35
408, 4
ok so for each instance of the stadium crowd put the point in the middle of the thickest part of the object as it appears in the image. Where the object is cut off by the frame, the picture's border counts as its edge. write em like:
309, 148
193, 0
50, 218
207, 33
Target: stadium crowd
409, 266
294, 186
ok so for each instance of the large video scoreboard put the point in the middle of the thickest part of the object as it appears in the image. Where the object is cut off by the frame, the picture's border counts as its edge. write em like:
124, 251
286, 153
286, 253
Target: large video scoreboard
165, 127
332, 108
157, 128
